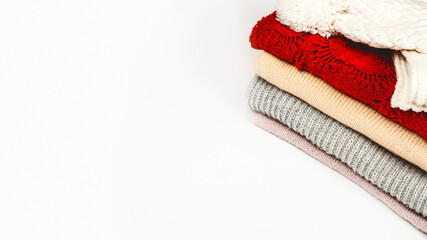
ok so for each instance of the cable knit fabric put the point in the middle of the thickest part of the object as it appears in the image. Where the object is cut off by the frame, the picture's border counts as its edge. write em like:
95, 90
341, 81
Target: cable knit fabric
389, 24
364, 73
287, 134
348, 111
402, 180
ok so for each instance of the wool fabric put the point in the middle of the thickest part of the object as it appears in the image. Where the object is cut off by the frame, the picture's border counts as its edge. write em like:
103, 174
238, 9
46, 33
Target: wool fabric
389, 24
348, 111
411, 86
402, 180
287, 134
364, 73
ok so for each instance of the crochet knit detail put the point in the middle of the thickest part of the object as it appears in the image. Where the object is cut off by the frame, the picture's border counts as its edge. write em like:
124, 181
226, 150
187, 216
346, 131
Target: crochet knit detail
388, 24
364, 73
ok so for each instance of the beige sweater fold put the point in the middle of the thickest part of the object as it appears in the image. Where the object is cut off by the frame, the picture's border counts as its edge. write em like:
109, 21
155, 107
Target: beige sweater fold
344, 109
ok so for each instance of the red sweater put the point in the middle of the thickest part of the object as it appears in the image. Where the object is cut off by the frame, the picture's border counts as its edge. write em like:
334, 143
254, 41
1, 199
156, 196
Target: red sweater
364, 73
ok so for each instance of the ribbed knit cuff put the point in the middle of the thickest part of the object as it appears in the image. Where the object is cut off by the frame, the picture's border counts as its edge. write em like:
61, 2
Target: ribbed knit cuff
411, 86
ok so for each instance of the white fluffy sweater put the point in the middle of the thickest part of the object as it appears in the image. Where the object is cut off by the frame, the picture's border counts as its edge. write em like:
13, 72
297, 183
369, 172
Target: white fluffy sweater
391, 24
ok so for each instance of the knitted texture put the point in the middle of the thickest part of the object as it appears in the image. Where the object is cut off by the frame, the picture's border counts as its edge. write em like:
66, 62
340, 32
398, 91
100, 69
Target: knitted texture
364, 73
302, 143
400, 179
411, 86
391, 24
348, 111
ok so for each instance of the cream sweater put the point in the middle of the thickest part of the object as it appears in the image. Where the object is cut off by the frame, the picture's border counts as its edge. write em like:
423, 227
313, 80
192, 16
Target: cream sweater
346, 110
391, 24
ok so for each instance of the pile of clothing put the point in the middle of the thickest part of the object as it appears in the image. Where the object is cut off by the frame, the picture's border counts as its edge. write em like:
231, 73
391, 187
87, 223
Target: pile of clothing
346, 82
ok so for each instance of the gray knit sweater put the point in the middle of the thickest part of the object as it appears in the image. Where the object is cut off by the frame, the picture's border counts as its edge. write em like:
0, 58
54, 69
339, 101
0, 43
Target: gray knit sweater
402, 180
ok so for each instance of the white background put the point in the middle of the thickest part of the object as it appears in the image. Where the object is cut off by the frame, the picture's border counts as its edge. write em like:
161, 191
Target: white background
128, 120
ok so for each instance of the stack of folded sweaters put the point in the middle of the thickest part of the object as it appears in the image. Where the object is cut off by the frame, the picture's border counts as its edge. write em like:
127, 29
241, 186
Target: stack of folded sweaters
355, 103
